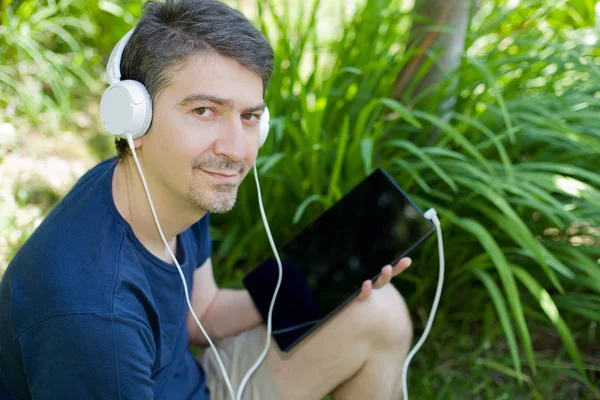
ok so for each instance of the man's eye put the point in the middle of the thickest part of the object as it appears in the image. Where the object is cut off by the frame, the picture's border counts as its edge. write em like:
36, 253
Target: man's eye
203, 111
251, 117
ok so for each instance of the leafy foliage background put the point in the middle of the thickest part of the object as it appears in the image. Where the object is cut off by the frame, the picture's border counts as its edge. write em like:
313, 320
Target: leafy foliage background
506, 149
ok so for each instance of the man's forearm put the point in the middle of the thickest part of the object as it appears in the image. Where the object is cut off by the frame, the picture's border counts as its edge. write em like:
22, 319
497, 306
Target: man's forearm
230, 313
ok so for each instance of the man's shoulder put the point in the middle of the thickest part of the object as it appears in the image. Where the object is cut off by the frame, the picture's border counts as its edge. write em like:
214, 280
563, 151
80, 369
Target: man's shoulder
70, 263
69, 276
81, 230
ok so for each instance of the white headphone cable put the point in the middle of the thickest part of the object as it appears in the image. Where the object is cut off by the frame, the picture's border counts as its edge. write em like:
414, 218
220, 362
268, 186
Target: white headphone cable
185, 288
270, 316
431, 215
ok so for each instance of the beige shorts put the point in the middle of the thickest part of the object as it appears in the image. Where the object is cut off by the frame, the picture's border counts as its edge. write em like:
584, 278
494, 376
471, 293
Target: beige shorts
238, 354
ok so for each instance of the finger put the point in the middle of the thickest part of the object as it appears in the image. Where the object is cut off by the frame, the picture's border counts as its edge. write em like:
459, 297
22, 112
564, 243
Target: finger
384, 278
366, 289
401, 266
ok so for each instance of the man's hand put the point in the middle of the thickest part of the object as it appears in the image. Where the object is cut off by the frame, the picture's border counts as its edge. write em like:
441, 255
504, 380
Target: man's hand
387, 273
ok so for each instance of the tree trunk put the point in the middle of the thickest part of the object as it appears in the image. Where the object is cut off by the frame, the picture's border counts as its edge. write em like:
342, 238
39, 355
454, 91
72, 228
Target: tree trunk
442, 33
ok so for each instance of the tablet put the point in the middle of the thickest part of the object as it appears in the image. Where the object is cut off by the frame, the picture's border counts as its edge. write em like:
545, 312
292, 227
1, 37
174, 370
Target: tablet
324, 266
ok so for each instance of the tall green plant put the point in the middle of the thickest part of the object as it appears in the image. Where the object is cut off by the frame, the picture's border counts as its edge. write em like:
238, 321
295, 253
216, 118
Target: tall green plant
513, 169
51, 55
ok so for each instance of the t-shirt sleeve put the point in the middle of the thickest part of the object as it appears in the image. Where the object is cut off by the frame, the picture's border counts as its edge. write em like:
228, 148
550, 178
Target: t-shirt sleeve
88, 356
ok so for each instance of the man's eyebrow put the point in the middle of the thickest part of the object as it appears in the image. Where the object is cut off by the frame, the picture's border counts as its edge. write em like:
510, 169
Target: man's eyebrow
258, 107
198, 97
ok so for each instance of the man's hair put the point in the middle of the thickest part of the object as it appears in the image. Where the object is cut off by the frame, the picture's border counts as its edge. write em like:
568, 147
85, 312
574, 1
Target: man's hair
169, 32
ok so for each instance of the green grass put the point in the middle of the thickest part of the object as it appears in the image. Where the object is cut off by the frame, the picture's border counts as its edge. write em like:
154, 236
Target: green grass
468, 358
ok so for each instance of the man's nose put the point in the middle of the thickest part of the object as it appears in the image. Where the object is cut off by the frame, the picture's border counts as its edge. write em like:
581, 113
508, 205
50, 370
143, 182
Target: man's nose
232, 141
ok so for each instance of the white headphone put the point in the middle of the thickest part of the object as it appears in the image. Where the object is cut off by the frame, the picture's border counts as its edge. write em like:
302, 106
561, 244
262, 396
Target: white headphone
126, 106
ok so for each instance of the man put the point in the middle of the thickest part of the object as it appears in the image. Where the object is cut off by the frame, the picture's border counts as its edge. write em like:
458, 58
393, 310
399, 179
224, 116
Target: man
91, 306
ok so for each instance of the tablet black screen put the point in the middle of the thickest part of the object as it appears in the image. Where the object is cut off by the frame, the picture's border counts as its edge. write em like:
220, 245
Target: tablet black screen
324, 266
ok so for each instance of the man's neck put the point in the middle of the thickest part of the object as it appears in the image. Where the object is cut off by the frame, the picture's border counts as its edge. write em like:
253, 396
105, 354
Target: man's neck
131, 202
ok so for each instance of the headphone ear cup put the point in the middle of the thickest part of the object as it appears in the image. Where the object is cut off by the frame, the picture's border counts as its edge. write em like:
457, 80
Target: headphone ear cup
126, 109
264, 126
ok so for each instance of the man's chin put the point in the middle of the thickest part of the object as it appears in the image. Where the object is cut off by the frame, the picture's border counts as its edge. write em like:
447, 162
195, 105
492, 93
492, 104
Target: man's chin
215, 199
219, 209
215, 206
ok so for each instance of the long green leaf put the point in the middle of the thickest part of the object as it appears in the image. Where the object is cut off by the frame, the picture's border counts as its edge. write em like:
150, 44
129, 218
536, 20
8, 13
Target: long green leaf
366, 152
405, 144
508, 167
454, 134
406, 166
339, 159
401, 110
302, 207
491, 82
518, 230
547, 305
586, 305
506, 276
592, 177
504, 317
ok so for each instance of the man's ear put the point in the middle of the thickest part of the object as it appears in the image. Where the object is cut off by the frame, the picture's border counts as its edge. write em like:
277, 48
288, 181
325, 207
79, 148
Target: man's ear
137, 143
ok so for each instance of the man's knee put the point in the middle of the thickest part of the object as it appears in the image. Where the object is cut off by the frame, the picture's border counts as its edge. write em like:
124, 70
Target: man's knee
389, 322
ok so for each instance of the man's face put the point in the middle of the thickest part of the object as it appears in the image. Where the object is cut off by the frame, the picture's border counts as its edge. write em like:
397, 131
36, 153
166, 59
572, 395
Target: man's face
204, 136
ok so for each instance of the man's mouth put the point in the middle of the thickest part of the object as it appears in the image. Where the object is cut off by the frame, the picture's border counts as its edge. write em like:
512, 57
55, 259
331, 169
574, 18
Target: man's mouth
223, 176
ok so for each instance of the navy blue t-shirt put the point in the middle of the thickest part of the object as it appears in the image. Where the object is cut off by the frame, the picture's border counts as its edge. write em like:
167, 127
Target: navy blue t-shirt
86, 312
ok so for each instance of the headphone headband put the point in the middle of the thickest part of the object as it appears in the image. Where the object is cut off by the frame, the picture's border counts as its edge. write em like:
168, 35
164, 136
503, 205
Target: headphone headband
113, 67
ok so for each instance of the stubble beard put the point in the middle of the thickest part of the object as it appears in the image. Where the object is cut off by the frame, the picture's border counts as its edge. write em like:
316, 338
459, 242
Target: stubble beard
212, 197
215, 199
